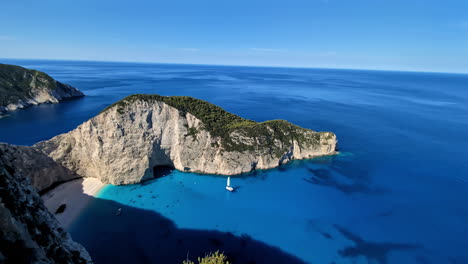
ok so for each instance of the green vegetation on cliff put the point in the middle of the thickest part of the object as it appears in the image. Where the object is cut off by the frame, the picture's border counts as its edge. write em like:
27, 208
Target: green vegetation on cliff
16, 83
275, 135
212, 258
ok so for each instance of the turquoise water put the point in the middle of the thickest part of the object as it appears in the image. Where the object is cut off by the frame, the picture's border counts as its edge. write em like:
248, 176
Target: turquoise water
396, 193
262, 206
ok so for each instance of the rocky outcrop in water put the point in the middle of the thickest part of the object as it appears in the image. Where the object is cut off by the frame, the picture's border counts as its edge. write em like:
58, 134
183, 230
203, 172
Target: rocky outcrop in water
42, 170
28, 231
125, 142
21, 87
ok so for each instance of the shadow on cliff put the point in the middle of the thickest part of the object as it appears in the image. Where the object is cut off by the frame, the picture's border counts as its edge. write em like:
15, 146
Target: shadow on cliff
143, 236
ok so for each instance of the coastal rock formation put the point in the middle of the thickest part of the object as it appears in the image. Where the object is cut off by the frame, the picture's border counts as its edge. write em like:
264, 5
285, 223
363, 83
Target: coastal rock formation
128, 140
21, 87
29, 233
43, 171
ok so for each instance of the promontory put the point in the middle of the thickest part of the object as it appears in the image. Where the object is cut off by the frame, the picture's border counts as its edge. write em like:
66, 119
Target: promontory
129, 139
21, 87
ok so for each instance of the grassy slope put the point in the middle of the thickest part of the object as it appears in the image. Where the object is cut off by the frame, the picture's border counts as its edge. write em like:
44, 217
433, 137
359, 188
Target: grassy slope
15, 83
221, 123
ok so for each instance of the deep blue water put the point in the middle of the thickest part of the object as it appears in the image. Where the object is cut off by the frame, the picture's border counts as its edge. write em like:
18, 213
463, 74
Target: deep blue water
397, 192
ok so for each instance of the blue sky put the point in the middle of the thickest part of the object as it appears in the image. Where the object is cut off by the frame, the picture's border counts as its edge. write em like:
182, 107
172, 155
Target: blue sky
417, 35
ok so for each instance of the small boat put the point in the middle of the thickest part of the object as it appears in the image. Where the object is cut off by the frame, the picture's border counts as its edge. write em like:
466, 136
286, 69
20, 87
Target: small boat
119, 211
228, 185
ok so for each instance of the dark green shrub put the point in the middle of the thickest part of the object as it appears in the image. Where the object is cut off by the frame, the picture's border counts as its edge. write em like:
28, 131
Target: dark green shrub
212, 258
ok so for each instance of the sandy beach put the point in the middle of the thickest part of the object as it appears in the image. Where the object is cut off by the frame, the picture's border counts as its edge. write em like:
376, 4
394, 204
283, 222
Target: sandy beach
75, 194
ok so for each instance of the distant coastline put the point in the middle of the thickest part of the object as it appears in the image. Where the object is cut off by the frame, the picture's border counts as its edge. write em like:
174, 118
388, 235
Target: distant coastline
21, 88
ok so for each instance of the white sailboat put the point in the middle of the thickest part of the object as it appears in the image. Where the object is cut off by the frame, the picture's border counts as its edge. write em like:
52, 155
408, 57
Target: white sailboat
228, 185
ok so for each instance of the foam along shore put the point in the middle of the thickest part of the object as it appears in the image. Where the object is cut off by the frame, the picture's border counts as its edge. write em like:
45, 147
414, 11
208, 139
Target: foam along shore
75, 195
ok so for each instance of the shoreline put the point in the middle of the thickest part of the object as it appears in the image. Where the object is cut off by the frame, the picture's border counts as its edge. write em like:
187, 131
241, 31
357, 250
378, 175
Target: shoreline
75, 195
78, 193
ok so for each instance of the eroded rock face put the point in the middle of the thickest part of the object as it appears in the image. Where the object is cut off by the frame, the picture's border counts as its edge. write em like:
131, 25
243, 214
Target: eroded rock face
28, 231
21, 87
43, 171
125, 142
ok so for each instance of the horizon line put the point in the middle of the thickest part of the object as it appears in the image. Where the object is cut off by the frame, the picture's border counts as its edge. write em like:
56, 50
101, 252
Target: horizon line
241, 65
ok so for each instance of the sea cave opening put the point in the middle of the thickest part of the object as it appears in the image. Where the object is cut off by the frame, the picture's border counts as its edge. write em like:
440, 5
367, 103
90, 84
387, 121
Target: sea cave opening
162, 170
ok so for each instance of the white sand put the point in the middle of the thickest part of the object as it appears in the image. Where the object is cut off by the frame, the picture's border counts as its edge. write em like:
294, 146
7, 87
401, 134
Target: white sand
75, 194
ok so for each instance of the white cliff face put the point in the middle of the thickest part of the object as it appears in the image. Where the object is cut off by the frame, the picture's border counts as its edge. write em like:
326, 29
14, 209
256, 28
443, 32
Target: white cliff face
43, 171
40, 95
123, 145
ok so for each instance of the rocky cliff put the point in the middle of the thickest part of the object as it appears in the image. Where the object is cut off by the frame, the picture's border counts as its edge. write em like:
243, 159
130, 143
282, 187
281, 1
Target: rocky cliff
28, 231
21, 87
43, 171
125, 142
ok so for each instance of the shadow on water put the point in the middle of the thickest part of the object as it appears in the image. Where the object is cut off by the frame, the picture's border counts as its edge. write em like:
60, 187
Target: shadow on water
324, 177
143, 236
372, 251
341, 175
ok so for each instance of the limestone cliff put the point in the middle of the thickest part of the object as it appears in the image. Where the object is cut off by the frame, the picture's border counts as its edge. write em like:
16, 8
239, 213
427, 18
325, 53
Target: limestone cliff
28, 231
127, 140
43, 171
21, 87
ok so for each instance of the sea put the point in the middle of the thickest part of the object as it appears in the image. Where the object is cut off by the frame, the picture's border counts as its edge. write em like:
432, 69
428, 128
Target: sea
397, 192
